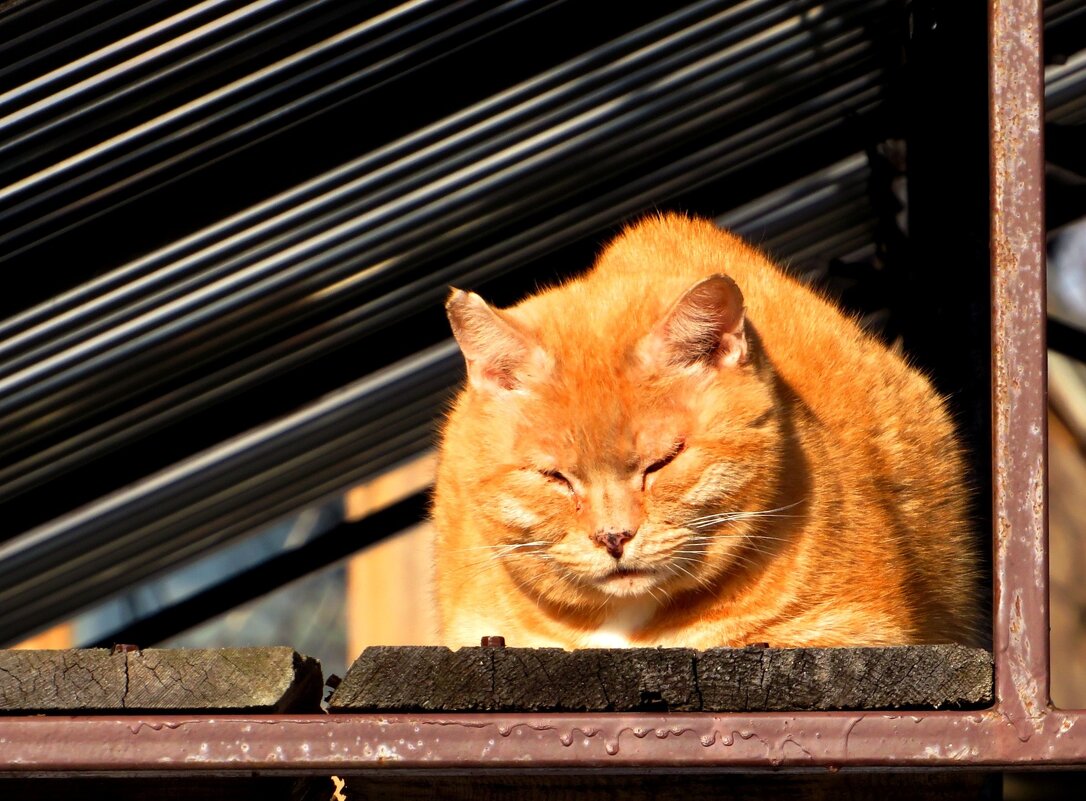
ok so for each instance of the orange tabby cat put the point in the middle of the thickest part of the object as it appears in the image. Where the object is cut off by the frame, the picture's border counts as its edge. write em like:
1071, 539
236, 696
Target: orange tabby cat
685, 447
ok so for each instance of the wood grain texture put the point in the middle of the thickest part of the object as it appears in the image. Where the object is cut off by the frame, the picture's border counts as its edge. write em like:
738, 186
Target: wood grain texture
916, 676
158, 680
436, 679
38, 681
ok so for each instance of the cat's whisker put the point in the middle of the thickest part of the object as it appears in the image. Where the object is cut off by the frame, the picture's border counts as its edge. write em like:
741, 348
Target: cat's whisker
765, 544
767, 513
792, 505
739, 516
701, 581
728, 516
495, 558
735, 557
682, 569
754, 547
725, 535
653, 594
510, 546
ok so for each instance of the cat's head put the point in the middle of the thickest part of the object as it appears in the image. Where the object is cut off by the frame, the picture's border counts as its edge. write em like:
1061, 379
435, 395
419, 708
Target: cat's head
616, 454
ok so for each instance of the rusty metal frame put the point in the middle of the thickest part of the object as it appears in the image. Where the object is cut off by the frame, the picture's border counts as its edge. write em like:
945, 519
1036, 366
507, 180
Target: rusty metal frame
1022, 729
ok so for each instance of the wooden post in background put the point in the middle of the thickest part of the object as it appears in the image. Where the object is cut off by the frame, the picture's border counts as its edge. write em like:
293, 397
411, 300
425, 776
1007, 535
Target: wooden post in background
388, 585
57, 637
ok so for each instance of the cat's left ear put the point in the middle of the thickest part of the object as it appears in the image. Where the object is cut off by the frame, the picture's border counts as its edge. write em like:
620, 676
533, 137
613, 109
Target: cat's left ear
497, 352
706, 325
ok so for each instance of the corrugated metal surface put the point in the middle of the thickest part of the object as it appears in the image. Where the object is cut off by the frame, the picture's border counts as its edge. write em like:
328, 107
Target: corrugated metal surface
222, 212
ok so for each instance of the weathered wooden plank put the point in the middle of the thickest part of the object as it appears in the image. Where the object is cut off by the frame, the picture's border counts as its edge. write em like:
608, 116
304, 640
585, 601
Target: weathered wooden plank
432, 679
429, 678
37, 681
917, 676
157, 680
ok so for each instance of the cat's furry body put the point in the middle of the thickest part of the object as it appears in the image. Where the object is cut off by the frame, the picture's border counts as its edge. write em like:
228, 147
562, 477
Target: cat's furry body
741, 465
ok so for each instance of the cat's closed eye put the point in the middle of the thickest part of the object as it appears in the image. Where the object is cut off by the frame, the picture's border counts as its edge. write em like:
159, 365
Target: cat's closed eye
557, 478
661, 463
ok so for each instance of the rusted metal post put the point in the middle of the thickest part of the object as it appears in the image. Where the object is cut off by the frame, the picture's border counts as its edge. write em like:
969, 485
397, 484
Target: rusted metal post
1019, 362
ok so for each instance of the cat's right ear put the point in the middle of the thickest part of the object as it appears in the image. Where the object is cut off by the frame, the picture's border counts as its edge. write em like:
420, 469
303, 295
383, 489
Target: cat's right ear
496, 351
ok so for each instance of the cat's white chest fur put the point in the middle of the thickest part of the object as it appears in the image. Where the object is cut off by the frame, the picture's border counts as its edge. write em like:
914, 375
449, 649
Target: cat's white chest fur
619, 627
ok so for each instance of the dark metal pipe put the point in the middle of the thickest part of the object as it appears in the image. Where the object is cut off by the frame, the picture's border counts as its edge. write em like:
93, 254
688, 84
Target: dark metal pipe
1068, 339
204, 544
556, 95
192, 479
223, 492
182, 26
68, 32
700, 166
320, 552
100, 570
167, 131
85, 104
281, 283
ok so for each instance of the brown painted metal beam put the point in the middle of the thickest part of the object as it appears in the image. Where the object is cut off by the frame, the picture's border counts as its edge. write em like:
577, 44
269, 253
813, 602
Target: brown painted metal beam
1019, 394
345, 744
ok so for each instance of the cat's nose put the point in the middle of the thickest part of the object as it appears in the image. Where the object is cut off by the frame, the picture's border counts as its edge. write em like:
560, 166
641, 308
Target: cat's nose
614, 541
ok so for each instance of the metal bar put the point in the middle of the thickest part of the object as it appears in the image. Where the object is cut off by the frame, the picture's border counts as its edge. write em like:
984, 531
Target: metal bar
282, 278
320, 552
1019, 367
146, 38
695, 168
782, 207
78, 19
1069, 340
469, 743
214, 523
60, 183
88, 587
193, 478
223, 512
91, 98
417, 168
328, 487
711, 163
147, 272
